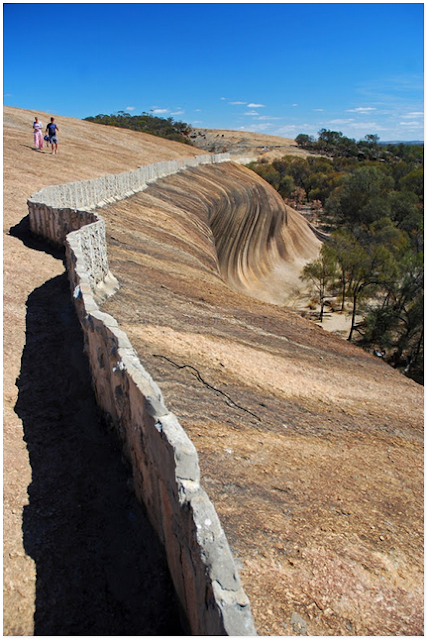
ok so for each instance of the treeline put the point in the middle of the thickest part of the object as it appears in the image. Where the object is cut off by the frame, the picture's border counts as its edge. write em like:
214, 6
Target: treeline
373, 259
316, 178
334, 143
163, 127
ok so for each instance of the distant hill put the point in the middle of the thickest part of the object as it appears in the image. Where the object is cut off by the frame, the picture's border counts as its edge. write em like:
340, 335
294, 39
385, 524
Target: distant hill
418, 142
244, 145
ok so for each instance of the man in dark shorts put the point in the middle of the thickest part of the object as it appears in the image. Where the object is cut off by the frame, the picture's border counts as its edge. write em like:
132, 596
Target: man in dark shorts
51, 130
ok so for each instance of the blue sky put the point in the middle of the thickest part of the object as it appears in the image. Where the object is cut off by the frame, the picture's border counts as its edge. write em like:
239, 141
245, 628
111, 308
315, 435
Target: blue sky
276, 68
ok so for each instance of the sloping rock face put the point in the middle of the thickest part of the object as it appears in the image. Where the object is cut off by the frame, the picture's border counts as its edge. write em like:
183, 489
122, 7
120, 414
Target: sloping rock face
310, 448
31, 275
246, 146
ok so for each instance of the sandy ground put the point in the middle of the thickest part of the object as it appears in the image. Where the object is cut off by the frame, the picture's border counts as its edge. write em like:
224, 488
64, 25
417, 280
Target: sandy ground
85, 151
313, 458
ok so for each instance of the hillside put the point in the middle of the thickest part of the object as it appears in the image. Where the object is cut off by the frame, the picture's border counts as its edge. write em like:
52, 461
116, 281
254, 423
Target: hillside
313, 458
34, 285
245, 146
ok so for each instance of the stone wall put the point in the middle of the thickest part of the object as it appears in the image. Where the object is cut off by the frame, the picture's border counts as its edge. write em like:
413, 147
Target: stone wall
164, 460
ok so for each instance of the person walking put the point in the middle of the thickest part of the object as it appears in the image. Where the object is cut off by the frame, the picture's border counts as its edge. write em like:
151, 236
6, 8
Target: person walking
38, 135
51, 130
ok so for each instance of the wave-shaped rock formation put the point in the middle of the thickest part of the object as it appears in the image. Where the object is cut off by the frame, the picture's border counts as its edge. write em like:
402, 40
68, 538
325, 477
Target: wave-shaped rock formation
310, 449
261, 244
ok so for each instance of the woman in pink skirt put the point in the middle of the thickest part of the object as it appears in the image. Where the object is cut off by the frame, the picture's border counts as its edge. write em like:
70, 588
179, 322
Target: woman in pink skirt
38, 135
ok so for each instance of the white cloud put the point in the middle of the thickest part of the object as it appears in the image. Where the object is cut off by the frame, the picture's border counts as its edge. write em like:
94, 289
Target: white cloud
251, 113
254, 105
294, 105
367, 126
317, 109
129, 108
197, 110
258, 128
291, 130
177, 113
411, 124
414, 114
268, 118
240, 102
341, 121
361, 110
157, 110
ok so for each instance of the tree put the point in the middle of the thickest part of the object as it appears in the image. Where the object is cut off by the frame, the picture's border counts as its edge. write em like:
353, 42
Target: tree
298, 196
267, 172
329, 141
414, 182
372, 140
162, 127
319, 185
375, 262
286, 186
397, 325
305, 141
299, 170
343, 247
362, 197
377, 211
321, 273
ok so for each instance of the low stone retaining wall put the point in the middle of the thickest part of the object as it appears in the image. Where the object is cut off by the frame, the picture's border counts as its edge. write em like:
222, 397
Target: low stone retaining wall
164, 460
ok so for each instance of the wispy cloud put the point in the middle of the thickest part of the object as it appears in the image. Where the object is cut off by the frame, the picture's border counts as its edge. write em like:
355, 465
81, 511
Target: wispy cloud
129, 108
177, 113
294, 105
251, 113
239, 102
158, 110
258, 128
341, 121
367, 127
317, 109
414, 114
292, 130
361, 110
254, 105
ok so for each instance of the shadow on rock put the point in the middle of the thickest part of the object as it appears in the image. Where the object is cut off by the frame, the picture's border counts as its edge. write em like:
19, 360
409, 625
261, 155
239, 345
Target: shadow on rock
100, 567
